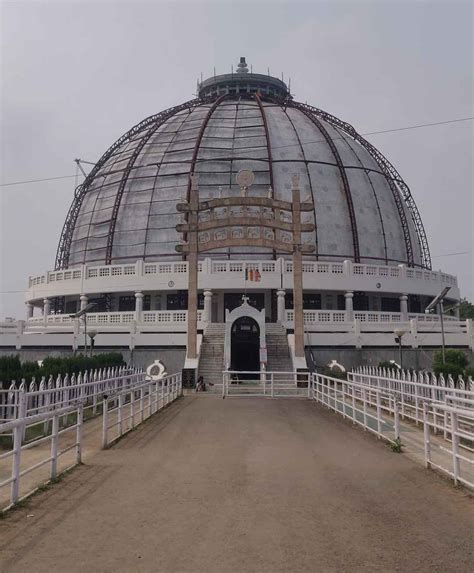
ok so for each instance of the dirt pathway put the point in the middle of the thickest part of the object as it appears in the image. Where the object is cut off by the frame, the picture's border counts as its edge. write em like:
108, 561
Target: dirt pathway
244, 485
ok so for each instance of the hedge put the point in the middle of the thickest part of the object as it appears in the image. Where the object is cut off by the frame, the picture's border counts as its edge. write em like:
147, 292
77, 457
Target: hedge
11, 368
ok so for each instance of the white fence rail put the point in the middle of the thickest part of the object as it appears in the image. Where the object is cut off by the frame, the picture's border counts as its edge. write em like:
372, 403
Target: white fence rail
19, 427
126, 409
424, 377
122, 410
263, 383
448, 426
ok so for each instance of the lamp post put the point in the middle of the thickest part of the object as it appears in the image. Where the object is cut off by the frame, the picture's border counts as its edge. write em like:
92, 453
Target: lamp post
92, 334
438, 302
398, 338
83, 312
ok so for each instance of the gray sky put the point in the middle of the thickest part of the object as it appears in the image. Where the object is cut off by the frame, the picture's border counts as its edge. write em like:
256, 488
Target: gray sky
77, 75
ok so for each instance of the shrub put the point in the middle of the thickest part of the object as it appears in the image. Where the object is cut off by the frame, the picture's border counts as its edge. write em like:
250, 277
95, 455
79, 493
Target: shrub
387, 364
452, 356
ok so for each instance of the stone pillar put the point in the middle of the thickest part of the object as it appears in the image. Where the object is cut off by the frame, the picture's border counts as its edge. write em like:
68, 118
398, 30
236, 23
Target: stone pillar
84, 301
46, 310
281, 305
298, 321
29, 310
208, 306
138, 306
349, 295
404, 307
192, 270
46, 307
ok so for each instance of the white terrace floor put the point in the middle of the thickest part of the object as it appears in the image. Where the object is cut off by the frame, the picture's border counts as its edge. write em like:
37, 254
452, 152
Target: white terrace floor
243, 485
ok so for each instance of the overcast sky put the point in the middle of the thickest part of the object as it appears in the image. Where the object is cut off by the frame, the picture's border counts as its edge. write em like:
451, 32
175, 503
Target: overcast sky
77, 75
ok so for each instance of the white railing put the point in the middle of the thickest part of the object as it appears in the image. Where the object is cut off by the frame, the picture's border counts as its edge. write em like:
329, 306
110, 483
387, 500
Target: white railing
264, 383
24, 400
19, 427
112, 319
380, 411
124, 410
315, 317
210, 266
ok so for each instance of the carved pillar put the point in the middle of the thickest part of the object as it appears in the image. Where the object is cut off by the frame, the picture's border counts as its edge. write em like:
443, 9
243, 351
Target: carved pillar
192, 269
138, 306
208, 306
281, 306
404, 307
297, 270
349, 296
84, 301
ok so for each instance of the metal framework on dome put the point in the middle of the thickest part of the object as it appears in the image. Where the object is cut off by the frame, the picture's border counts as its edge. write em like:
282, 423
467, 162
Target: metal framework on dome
258, 88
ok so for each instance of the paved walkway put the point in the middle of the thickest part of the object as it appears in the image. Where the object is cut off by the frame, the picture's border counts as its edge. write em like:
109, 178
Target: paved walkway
244, 485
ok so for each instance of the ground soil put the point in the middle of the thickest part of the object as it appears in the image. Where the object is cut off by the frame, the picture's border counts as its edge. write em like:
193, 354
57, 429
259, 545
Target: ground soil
244, 485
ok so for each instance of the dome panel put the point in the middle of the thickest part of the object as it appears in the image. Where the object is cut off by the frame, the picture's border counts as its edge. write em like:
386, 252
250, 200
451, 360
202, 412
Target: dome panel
126, 209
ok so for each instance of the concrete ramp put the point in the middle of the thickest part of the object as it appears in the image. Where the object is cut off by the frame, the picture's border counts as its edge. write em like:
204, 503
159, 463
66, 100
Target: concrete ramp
212, 485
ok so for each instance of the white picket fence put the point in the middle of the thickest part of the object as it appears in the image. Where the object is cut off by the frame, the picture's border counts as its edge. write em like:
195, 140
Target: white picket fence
23, 399
123, 408
422, 376
376, 404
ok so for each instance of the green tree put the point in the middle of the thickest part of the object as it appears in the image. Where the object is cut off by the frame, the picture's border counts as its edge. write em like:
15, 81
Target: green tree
466, 309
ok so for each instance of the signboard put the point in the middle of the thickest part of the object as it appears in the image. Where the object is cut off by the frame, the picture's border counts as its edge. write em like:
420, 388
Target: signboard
263, 354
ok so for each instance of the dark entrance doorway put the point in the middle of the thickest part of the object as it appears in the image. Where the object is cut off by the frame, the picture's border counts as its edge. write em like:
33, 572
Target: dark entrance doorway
245, 345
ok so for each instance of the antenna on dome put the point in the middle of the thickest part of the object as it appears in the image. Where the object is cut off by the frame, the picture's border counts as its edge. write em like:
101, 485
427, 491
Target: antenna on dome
268, 71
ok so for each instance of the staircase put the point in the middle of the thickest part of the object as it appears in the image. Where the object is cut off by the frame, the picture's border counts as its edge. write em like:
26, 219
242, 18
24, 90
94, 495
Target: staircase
278, 352
211, 362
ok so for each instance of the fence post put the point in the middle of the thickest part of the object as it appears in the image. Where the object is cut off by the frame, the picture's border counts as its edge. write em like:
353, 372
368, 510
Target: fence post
120, 414
379, 414
80, 420
17, 439
309, 385
162, 393
354, 416
149, 400
455, 446
396, 416
21, 413
142, 404
105, 422
426, 435
364, 398
272, 388
54, 447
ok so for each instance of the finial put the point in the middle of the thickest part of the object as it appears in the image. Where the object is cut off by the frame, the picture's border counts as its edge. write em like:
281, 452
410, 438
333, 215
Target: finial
242, 67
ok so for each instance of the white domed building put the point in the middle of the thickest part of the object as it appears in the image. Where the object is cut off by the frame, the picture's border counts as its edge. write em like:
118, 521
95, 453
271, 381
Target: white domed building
127, 242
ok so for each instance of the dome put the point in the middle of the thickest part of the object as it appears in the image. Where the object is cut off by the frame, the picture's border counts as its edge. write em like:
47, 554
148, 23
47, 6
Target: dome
126, 208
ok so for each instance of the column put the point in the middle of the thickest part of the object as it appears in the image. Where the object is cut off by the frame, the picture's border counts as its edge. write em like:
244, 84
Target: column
404, 307
349, 295
208, 306
138, 306
46, 307
192, 269
84, 301
46, 310
29, 310
281, 305
298, 321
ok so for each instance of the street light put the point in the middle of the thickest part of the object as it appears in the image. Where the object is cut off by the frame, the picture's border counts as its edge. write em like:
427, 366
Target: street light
438, 301
398, 338
92, 334
83, 312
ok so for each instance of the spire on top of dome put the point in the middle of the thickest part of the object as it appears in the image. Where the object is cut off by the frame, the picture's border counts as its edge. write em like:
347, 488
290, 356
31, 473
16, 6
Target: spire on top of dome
242, 67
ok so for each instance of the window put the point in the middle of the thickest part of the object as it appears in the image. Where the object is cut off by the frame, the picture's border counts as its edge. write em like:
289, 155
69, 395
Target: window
311, 301
127, 303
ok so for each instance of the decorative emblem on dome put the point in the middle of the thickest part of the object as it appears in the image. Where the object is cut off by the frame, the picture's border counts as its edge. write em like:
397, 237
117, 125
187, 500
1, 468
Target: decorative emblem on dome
245, 178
